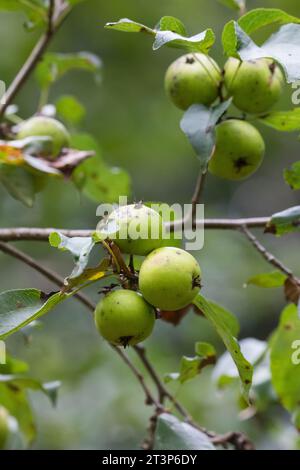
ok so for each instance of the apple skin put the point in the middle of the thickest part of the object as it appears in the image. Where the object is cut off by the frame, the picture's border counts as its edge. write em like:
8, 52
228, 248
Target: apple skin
169, 278
4, 427
193, 78
125, 218
239, 150
255, 85
124, 318
43, 126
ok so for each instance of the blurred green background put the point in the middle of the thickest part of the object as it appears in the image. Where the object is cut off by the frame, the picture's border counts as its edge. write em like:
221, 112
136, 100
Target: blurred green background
100, 404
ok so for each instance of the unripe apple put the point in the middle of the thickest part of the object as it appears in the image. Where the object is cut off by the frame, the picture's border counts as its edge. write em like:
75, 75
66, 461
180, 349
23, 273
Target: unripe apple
255, 85
193, 78
136, 229
4, 426
169, 278
239, 150
124, 318
43, 126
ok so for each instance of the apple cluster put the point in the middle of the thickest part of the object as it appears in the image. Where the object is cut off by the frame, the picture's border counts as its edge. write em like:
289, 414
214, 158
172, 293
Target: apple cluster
168, 279
255, 86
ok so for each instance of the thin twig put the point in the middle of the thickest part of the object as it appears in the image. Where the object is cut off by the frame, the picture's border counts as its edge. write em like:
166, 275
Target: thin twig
46, 272
269, 257
150, 400
197, 194
55, 19
42, 234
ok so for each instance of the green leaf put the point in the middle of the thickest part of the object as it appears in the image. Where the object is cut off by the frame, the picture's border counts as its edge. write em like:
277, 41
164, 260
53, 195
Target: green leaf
35, 10
227, 317
170, 23
50, 389
245, 369
268, 280
20, 307
260, 17
237, 5
19, 183
292, 176
285, 359
128, 26
198, 124
15, 400
251, 22
284, 222
201, 42
190, 367
13, 366
172, 434
283, 46
94, 178
226, 372
79, 247
55, 65
171, 32
286, 121
70, 109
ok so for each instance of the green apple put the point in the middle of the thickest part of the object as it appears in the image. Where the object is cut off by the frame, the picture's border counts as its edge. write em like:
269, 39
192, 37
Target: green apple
239, 150
193, 78
136, 229
4, 426
43, 126
124, 318
169, 278
255, 85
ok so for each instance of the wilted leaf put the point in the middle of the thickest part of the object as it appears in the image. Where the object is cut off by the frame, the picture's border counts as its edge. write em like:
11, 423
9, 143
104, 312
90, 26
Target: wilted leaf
128, 26
268, 280
198, 124
174, 317
172, 434
292, 290
245, 369
292, 176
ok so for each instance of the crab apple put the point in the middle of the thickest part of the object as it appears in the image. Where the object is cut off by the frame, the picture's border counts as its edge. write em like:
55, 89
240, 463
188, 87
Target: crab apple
124, 318
4, 426
136, 229
169, 278
43, 126
255, 85
239, 150
193, 78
